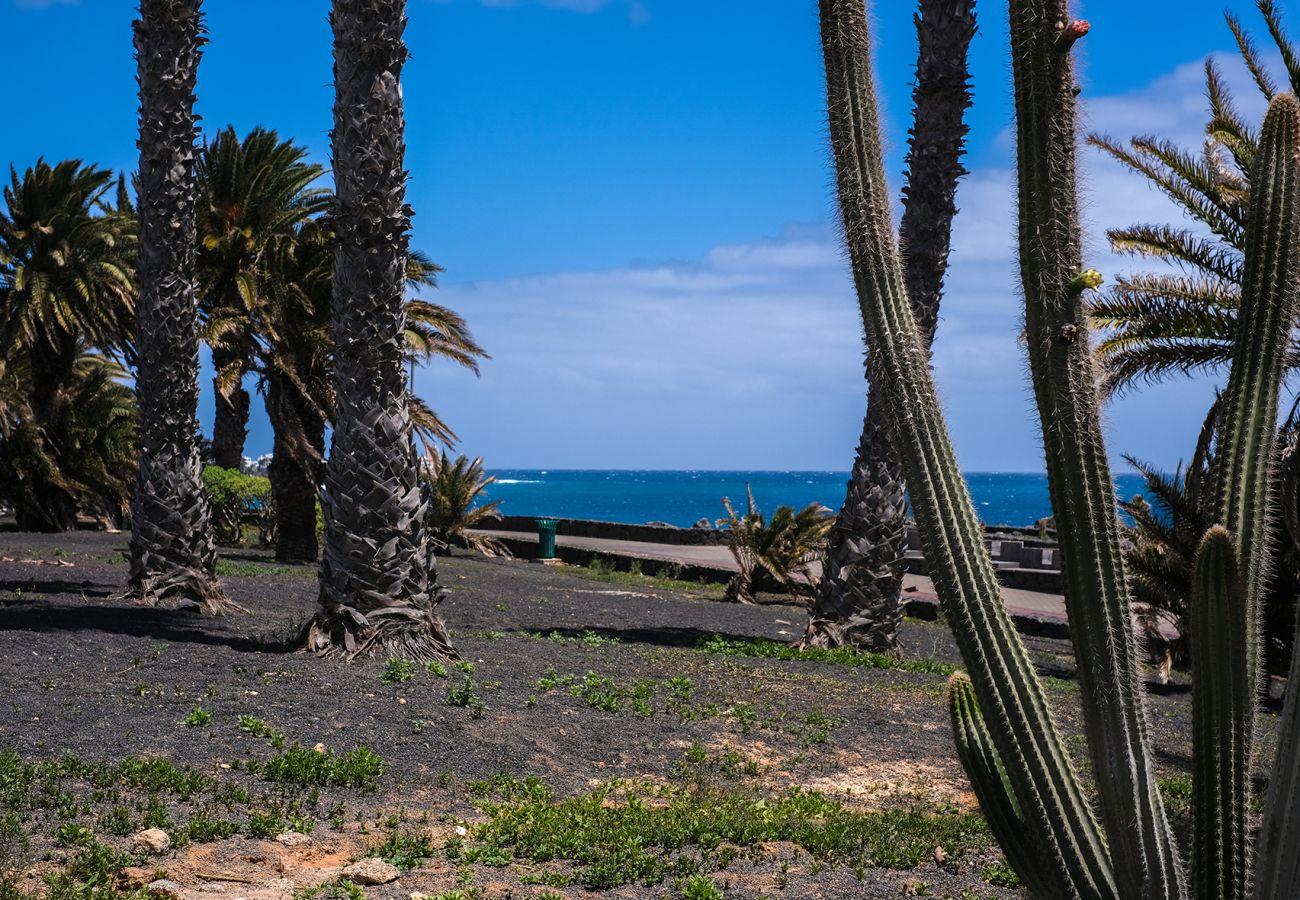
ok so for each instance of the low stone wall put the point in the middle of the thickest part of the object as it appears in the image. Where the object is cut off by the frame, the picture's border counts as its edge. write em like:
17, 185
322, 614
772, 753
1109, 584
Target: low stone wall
620, 531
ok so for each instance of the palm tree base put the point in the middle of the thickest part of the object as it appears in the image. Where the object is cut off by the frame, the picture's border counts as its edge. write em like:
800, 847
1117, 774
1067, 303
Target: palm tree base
873, 629
179, 586
404, 632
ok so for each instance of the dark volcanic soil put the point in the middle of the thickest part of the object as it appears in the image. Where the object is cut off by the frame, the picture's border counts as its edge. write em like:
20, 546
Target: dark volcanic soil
86, 675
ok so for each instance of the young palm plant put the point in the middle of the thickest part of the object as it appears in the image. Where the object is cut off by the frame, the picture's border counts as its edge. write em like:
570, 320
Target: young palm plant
859, 599
173, 553
1016, 759
378, 588
456, 506
782, 550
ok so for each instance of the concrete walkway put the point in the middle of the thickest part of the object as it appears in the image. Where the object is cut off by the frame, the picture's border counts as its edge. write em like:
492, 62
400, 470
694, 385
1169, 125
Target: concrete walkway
1019, 602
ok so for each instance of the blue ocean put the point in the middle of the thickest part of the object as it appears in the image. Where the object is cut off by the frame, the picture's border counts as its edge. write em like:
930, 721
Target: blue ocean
683, 498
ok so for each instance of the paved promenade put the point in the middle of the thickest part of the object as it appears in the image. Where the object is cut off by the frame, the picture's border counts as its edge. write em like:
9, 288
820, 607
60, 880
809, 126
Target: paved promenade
1026, 603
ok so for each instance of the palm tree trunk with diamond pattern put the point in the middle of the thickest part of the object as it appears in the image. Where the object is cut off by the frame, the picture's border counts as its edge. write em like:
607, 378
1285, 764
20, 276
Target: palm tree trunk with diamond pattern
859, 599
378, 587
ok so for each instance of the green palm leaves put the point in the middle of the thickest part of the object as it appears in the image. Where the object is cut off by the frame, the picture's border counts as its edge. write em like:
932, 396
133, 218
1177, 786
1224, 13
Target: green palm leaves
253, 193
67, 306
1160, 324
456, 507
781, 549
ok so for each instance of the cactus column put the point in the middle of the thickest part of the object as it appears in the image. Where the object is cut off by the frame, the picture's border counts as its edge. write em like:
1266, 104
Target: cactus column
1034, 757
1083, 494
1245, 481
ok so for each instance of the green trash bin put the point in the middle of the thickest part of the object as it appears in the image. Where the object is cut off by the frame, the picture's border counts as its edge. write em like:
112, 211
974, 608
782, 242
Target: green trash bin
546, 538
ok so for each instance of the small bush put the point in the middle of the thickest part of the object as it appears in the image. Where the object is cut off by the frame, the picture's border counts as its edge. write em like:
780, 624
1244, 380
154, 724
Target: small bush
397, 671
198, 718
359, 768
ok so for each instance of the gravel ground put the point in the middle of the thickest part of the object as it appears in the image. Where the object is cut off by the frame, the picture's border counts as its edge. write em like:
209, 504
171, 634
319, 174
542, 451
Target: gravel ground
87, 675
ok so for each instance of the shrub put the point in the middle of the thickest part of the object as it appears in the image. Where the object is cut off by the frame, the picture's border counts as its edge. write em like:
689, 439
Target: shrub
239, 501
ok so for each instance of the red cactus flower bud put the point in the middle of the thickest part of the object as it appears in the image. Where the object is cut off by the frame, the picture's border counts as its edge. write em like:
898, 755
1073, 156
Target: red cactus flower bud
1072, 32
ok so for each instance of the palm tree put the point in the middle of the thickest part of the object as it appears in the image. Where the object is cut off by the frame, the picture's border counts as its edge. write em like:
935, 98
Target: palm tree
251, 192
1160, 324
456, 488
781, 549
66, 287
859, 600
81, 457
379, 588
173, 554
292, 349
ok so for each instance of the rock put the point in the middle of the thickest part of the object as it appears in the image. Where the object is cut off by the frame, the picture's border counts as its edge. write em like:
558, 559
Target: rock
319, 748
292, 839
371, 871
164, 888
704, 524
940, 855
152, 840
135, 876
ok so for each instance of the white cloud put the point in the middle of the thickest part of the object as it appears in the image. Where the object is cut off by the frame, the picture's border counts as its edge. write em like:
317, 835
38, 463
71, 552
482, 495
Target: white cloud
637, 10
751, 356
45, 4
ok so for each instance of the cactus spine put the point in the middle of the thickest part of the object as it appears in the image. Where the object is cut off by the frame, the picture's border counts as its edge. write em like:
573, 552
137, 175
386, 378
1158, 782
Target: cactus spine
1003, 728
1083, 495
1028, 743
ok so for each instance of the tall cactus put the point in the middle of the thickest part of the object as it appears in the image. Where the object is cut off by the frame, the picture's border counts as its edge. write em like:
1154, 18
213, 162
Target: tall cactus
1271, 293
1078, 472
1005, 734
1029, 745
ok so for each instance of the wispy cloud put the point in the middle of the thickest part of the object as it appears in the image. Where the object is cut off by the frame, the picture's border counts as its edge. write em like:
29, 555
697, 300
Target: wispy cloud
753, 354
637, 11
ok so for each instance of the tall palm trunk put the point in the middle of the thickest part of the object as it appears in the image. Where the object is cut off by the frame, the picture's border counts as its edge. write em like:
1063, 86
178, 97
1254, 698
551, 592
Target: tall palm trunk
173, 555
230, 424
378, 589
295, 470
859, 600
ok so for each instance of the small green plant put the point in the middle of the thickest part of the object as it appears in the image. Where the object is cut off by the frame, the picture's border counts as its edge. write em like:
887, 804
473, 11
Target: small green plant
457, 512
335, 890
397, 671
435, 668
198, 718
784, 548
403, 849
359, 768
698, 887
761, 648
465, 695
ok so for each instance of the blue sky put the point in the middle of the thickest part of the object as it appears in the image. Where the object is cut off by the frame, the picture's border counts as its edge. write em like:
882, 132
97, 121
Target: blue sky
631, 199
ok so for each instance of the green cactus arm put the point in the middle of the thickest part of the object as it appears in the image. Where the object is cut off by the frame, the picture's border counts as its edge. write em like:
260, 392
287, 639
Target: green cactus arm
1271, 295
1270, 291
1009, 692
1223, 705
997, 797
1143, 853
1277, 863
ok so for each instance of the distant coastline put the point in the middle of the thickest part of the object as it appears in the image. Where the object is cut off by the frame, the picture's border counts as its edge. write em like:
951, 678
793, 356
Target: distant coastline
682, 497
